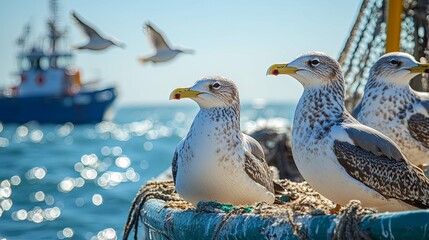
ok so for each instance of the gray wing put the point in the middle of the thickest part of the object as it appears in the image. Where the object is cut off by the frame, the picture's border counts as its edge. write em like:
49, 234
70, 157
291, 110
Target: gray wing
255, 165
254, 146
85, 27
174, 166
378, 163
156, 38
418, 126
424, 100
374, 141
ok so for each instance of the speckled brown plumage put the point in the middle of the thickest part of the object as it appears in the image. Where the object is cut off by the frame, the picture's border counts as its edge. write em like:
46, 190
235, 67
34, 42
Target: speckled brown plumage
389, 177
174, 166
258, 170
419, 128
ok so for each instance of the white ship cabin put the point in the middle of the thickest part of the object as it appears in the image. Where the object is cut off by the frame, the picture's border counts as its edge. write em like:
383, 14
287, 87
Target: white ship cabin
46, 74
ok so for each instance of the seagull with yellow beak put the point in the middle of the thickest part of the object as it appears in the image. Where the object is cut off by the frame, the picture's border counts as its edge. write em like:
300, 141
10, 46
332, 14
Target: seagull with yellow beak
391, 106
216, 161
338, 156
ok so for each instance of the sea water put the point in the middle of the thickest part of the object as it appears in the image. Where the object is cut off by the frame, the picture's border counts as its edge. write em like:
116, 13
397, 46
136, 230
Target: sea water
78, 181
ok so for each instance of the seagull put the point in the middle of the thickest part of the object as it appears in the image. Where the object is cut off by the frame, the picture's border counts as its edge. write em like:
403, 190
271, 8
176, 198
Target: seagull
339, 157
392, 107
96, 41
163, 52
216, 161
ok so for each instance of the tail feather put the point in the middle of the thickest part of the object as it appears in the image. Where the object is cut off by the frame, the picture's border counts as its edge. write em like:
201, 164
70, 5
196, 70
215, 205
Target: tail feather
279, 190
143, 60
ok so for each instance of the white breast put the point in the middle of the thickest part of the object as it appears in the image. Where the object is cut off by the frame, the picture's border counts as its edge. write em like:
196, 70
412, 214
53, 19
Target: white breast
210, 171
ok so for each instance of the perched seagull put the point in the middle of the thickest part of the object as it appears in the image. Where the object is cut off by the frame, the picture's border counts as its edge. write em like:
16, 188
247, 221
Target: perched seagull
216, 161
96, 41
163, 52
339, 157
393, 108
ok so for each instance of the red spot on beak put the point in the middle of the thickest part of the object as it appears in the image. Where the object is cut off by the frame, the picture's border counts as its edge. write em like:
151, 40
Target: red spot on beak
177, 96
275, 72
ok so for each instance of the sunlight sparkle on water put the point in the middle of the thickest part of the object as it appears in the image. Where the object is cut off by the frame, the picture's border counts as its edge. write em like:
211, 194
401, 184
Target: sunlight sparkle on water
37, 215
68, 232
123, 162
15, 180
39, 196
106, 234
110, 179
22, 131
89, 160
117, 151
152, 134
4, 142
6, 204
5, 192
148, 146
140, 128
89, 173
180, 117
65, 130
97, 199
65, 233
36, 173
144, 164
66, 185
79, 182
79, 202
36, 136
132, 175
49, 200
21, 215
105, 150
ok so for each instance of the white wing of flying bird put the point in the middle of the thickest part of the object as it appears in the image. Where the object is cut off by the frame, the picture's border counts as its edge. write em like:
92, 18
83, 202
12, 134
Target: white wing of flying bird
163, 52
96, 41
156, 39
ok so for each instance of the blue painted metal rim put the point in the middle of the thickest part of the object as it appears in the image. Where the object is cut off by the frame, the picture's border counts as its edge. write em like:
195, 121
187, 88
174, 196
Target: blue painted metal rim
161, 222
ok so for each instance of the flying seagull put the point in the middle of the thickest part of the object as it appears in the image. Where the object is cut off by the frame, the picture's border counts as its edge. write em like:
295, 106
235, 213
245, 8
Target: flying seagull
96, 41
216, 161
339, 157
392, 107
163, 52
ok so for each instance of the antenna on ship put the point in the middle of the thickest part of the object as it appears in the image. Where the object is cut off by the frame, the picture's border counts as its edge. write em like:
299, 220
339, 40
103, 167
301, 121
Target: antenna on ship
22, 39
54, 32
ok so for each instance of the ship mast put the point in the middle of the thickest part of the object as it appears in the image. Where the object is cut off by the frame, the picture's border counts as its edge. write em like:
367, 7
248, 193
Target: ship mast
54, 33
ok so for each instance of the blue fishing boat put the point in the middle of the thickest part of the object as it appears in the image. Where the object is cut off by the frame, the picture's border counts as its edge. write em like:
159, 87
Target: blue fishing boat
50, 89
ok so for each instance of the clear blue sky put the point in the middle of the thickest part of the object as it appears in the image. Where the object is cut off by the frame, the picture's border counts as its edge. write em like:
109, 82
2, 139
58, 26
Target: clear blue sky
236, 39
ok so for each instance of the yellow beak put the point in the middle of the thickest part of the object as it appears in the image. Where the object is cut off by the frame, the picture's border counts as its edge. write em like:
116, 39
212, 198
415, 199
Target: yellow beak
421, 68
277, 69
179, 93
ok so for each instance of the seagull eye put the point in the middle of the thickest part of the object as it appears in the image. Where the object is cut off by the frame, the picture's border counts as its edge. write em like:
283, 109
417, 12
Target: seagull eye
314, 62
394, 62
216, 86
